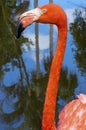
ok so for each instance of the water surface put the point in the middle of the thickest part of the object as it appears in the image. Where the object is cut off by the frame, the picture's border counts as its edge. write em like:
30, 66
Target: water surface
24, 67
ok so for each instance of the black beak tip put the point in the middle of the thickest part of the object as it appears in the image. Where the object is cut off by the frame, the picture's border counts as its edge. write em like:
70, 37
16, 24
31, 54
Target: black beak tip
19, 30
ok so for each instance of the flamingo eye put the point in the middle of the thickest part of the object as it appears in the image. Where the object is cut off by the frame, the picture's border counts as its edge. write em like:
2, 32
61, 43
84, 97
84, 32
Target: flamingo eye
44, 11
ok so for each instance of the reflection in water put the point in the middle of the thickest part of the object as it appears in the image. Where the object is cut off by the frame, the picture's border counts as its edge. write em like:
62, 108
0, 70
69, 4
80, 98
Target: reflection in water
21, 91
78, 30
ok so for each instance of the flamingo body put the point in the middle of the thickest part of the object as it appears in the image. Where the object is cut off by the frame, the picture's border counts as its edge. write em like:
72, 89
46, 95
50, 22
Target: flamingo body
73, 115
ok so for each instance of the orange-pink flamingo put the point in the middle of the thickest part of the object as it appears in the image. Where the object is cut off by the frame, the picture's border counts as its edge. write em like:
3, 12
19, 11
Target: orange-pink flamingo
73, 115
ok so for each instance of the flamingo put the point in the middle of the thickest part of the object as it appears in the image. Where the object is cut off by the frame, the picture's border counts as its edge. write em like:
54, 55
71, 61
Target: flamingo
73, 115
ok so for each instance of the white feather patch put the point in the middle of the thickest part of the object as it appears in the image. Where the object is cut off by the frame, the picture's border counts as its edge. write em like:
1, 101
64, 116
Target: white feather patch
34, 12
82, 98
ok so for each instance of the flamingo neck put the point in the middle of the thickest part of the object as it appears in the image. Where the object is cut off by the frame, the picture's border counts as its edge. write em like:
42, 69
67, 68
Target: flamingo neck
48, 122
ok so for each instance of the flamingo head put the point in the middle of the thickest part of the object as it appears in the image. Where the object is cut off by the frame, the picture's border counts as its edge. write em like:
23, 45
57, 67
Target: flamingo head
28, 18
50, 13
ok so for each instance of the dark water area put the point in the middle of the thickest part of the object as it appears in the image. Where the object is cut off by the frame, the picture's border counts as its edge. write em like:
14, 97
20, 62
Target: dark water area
25, 64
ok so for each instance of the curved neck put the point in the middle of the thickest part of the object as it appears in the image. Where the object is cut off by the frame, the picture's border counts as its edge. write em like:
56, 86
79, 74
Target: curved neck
48, 121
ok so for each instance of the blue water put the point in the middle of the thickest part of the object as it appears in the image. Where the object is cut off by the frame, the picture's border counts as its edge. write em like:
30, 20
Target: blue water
11, 116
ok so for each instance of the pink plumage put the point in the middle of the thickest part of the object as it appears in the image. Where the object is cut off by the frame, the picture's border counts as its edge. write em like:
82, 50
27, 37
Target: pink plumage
73, 115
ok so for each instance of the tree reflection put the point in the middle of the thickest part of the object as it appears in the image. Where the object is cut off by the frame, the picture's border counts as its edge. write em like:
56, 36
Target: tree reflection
13, 96
9, 46
51, 37
13, 105
78, 30
67, 84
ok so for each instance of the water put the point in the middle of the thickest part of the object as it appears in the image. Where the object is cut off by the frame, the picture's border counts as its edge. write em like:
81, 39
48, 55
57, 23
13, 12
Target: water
23, 78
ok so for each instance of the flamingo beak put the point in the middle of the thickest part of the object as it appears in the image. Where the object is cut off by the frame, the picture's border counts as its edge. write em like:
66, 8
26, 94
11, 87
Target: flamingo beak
22, 24
20, 29
27, 19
